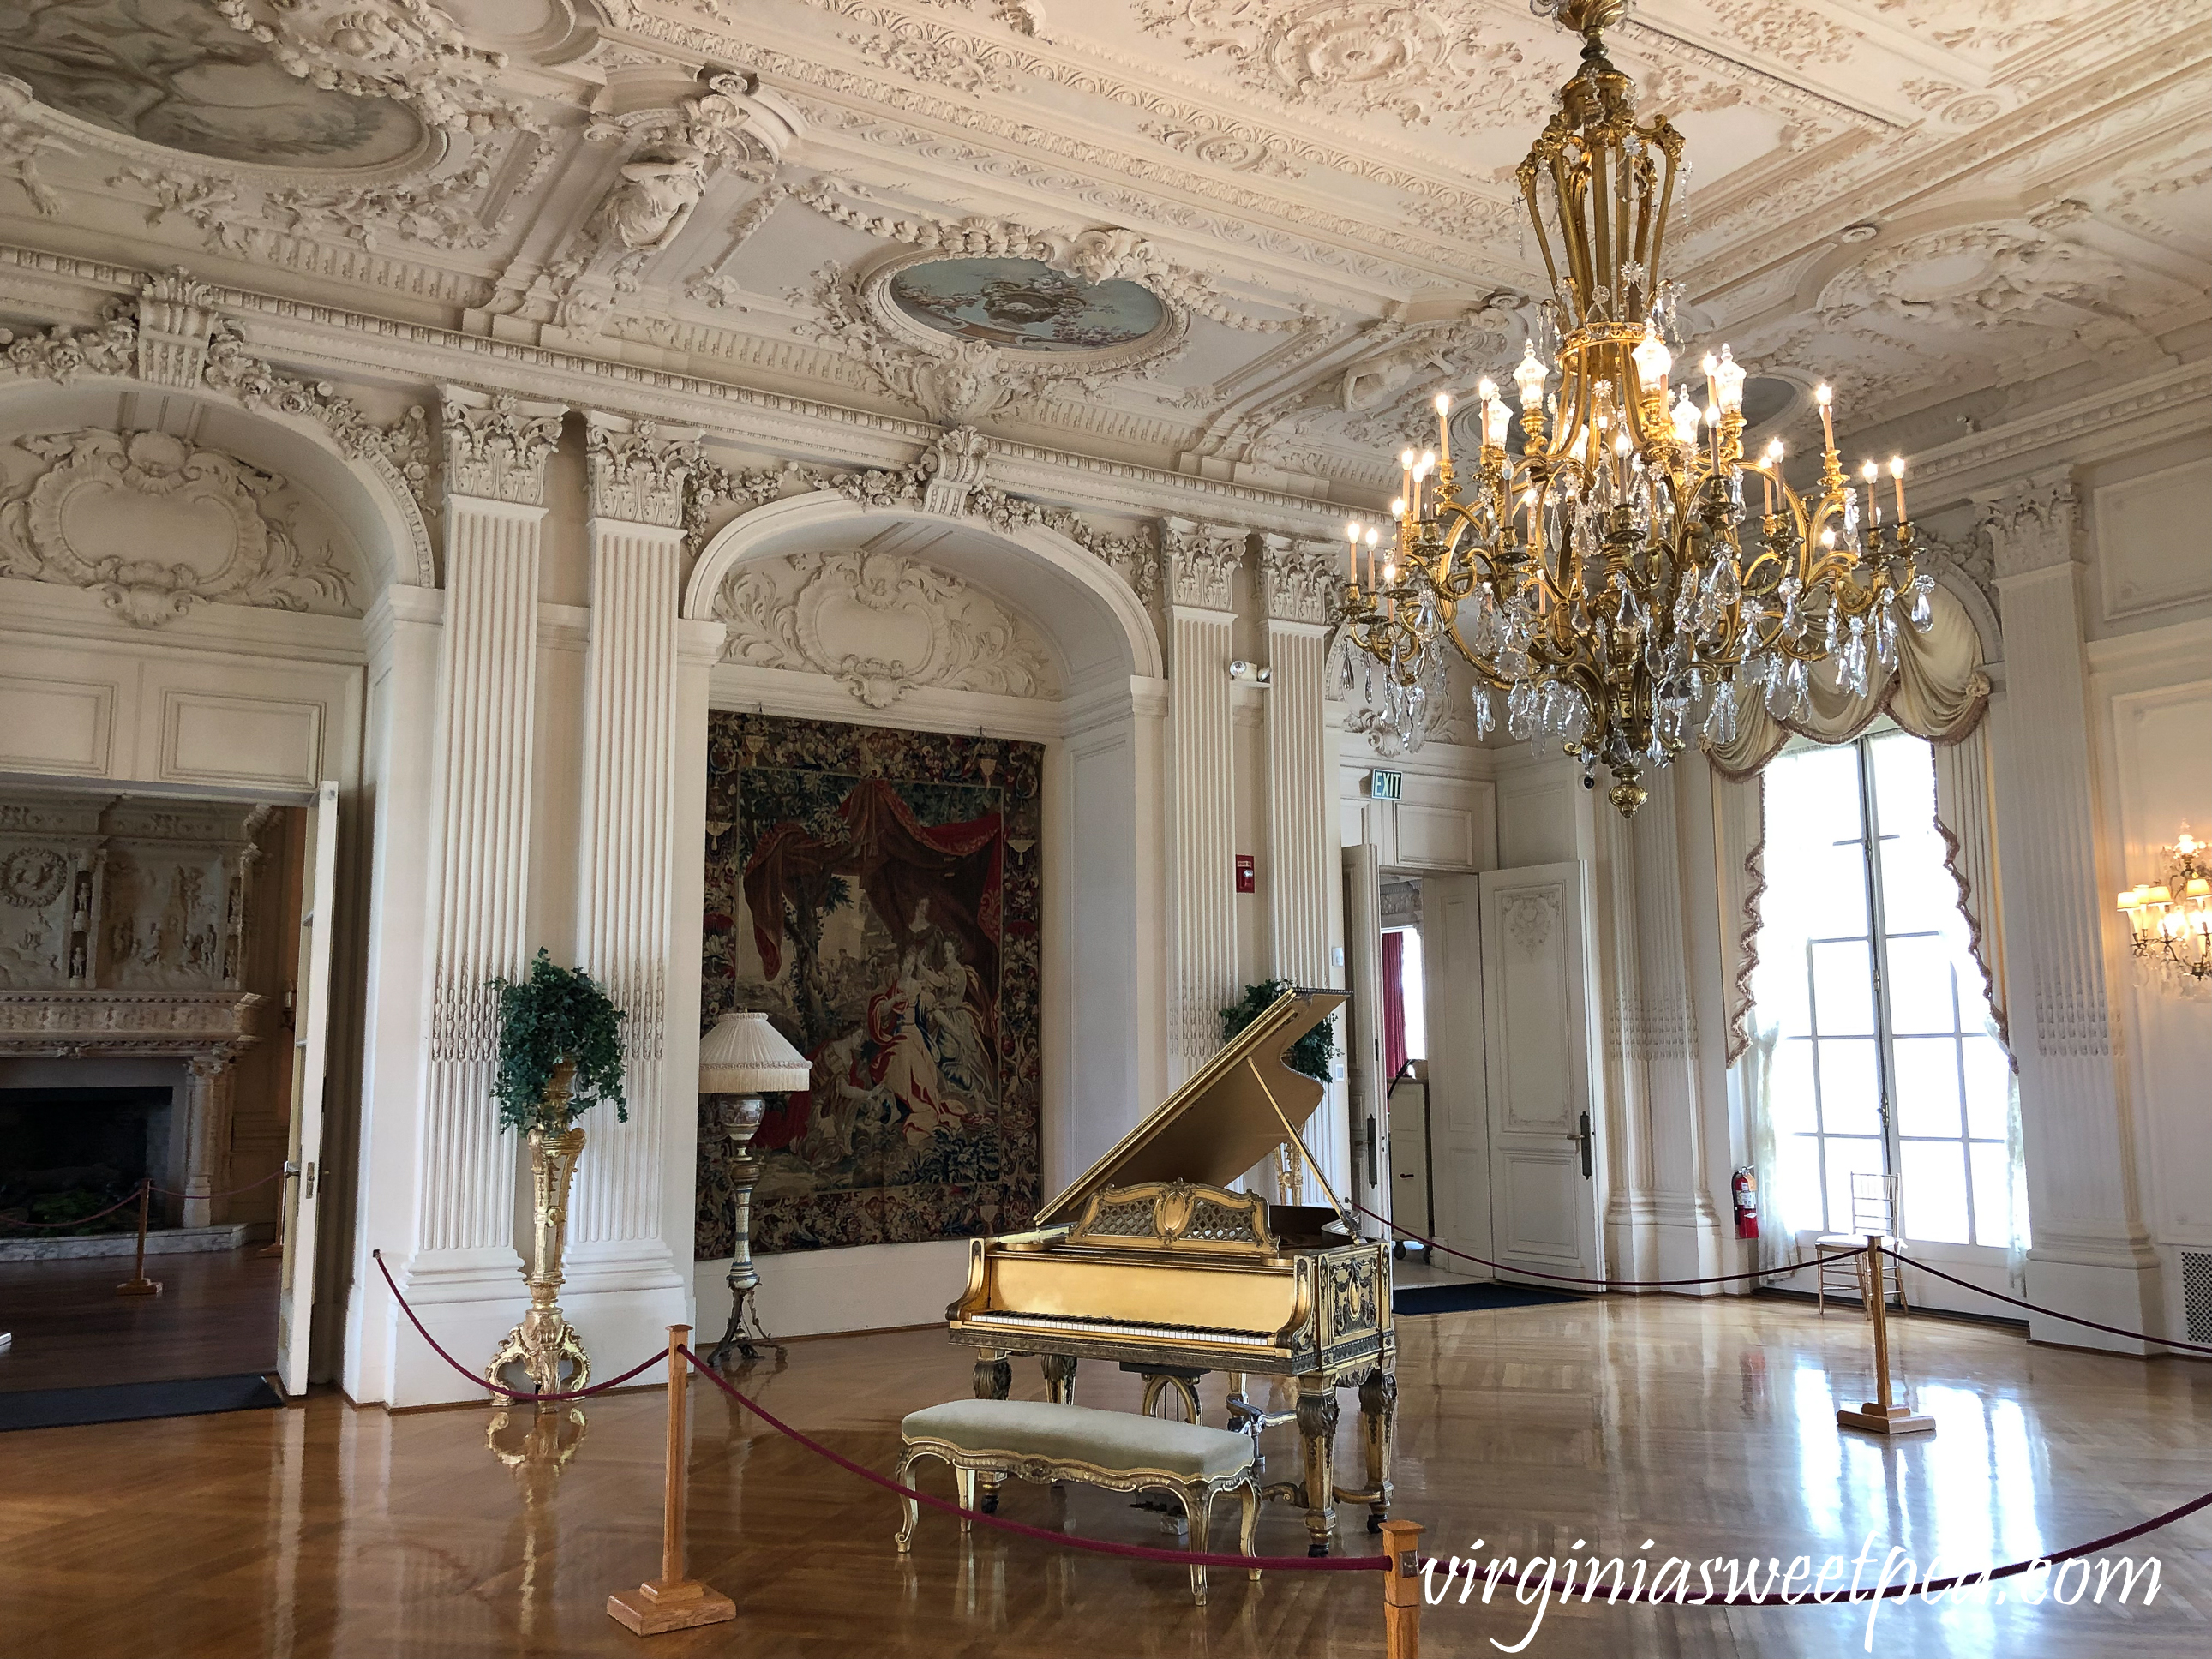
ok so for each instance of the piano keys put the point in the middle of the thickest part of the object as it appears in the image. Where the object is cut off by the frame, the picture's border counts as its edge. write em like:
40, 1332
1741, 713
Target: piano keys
1149, 1259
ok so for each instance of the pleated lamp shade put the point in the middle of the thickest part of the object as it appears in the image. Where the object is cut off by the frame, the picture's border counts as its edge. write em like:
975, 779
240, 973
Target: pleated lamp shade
744, 1054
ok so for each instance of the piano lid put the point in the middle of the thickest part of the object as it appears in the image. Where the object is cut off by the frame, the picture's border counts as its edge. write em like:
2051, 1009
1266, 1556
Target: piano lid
1219, 1123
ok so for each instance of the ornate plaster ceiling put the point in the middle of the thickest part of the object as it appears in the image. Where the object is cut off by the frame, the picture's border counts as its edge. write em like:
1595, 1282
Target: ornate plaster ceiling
1920, 200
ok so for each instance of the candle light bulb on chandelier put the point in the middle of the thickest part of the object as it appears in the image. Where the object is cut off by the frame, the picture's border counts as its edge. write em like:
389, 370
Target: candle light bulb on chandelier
1897, 477
1825, 395
1398, 507
1496, 418
1726, 376
1652, 360
1443, 405
1685, 416
1530, 377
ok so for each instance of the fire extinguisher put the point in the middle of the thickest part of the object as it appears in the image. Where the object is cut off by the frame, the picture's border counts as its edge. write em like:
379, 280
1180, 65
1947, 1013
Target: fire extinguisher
1746, 1188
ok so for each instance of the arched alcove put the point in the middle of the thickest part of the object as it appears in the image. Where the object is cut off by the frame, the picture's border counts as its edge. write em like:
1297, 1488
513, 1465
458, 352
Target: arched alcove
1098, 715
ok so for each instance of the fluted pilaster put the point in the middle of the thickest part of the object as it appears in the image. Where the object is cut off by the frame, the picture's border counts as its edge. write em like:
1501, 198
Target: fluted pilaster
625, 922
2090, 1247
488, 669
1200, 561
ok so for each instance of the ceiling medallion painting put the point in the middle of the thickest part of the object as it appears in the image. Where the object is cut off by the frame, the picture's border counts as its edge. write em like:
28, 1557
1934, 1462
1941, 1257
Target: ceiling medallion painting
173, 73
1024, 305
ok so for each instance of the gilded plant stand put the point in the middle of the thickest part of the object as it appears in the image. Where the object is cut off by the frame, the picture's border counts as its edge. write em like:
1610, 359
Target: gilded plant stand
546, 1341
741, 1117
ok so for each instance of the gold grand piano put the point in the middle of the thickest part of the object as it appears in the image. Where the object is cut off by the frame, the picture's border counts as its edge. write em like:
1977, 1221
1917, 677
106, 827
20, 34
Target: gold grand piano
1149, 1259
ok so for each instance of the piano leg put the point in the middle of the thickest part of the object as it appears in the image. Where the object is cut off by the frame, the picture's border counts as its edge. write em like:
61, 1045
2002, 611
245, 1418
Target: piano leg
1317, 1415
1378, 1407
995, 1375
1059, 1378
995, 1380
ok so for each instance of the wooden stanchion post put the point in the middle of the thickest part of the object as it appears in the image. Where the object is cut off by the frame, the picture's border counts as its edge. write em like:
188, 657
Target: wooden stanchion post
672, 1601
1401, 1590
138, 1283
1882, 1414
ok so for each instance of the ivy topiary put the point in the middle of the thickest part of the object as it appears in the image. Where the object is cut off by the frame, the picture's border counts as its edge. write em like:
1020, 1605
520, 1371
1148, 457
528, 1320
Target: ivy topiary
1310, 1055
555, 1014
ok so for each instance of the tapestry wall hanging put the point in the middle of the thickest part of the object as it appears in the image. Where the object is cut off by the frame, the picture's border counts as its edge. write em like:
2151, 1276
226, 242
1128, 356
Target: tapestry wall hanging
876, 894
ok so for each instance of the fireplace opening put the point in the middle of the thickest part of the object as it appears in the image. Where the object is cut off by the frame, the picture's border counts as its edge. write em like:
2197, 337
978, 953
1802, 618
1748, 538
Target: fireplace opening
66, 1153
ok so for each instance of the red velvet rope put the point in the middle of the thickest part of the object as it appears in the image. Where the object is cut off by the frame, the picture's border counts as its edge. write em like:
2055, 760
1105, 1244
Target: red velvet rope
49, 1226
1066, 1540
2051, 1313
512, 1394
1610, 1284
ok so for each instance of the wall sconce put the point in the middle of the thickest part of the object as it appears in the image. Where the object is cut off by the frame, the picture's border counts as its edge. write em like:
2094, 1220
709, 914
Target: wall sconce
2170, 921
1241, 670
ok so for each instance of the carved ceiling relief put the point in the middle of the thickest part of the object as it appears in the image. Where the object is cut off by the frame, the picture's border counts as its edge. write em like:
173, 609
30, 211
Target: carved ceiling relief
224, 531
881, 625
108, 894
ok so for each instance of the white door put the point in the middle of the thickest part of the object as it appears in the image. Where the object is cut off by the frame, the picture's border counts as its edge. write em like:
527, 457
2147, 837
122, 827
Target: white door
1408, 1118
311, 1028
1459, 1090
1535, 1017
1362, 969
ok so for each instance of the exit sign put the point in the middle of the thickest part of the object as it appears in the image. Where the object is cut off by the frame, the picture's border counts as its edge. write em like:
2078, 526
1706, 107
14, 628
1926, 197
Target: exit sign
1386, 786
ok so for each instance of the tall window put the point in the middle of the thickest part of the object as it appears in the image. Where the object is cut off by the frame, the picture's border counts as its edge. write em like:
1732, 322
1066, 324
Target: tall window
1886, 1062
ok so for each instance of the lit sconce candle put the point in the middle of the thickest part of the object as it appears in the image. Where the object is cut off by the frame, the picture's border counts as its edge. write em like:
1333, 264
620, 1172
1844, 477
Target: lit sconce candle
1770, 464
1444, 427
1425, 493
1352, 553
1897, 477
1405, 476
1372, 537
1713, 431
1529, 377
1826, 396
1711, 366
1869, 472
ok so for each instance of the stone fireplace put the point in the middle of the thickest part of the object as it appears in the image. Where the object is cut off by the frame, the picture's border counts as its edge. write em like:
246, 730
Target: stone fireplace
123, 929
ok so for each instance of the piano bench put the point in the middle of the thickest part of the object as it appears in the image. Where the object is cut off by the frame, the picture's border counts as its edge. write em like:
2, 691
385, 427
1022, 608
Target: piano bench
1040, 1441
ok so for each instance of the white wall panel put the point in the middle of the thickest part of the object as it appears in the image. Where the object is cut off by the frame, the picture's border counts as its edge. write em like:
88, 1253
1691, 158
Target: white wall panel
212, 738
2155, 539
55, 724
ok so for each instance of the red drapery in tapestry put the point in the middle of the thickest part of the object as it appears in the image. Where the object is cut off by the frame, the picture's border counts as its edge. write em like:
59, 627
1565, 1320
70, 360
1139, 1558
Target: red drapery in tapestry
1394, 1005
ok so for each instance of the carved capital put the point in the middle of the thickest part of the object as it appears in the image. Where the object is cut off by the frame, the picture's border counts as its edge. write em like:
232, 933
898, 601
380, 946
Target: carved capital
497, 445
959, 462
2034, 527
176, 317
1200, 560
637, 469
1297, 580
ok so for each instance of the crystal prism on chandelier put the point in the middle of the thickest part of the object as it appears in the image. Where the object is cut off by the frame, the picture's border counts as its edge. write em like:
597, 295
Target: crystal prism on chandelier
1608, 581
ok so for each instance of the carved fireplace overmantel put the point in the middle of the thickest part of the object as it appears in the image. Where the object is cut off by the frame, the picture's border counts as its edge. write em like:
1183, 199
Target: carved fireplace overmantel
79, 1024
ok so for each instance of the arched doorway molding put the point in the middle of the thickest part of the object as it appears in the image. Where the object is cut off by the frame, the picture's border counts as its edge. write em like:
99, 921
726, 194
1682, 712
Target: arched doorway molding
1093, 619
365, 494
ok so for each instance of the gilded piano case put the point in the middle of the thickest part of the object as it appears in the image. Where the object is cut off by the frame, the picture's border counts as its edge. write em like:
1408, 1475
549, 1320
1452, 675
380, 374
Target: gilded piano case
1149, 1259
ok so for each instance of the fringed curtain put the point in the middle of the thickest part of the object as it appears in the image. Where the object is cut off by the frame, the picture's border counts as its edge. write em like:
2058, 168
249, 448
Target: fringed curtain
1938, 692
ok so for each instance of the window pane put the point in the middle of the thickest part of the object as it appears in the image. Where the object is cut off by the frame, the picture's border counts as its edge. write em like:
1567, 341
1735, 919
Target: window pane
1417, 996
1790, 1094
1832, 884
1843, 988
1920, 997
1935, 1191
1851, 1098
1992, 1194
1848, 1155
1798, 1181
1927, 1085
1989, 1089
1904, 769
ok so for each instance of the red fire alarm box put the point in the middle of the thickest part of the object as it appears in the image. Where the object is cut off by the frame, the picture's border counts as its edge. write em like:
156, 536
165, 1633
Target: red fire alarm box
1248, 879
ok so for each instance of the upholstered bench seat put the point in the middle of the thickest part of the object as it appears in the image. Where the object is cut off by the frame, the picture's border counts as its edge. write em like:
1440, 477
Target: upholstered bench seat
1038, 1441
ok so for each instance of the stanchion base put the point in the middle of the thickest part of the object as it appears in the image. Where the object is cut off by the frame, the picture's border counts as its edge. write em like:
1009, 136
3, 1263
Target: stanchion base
139, 1287
657, 1606
1894, 1419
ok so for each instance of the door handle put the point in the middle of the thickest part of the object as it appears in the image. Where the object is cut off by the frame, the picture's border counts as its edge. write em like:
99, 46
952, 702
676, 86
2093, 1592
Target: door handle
1582, 1135
1373, 1165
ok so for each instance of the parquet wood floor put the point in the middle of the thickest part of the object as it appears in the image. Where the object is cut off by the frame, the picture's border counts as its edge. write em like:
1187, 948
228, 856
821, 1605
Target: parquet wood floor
217, 1316
1706, 1426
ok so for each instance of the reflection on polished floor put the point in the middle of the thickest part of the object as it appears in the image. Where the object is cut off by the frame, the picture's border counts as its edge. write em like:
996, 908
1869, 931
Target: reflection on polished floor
1707, 1426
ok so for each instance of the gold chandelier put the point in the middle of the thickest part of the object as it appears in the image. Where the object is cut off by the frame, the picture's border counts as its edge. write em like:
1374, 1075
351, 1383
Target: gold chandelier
1607, 581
